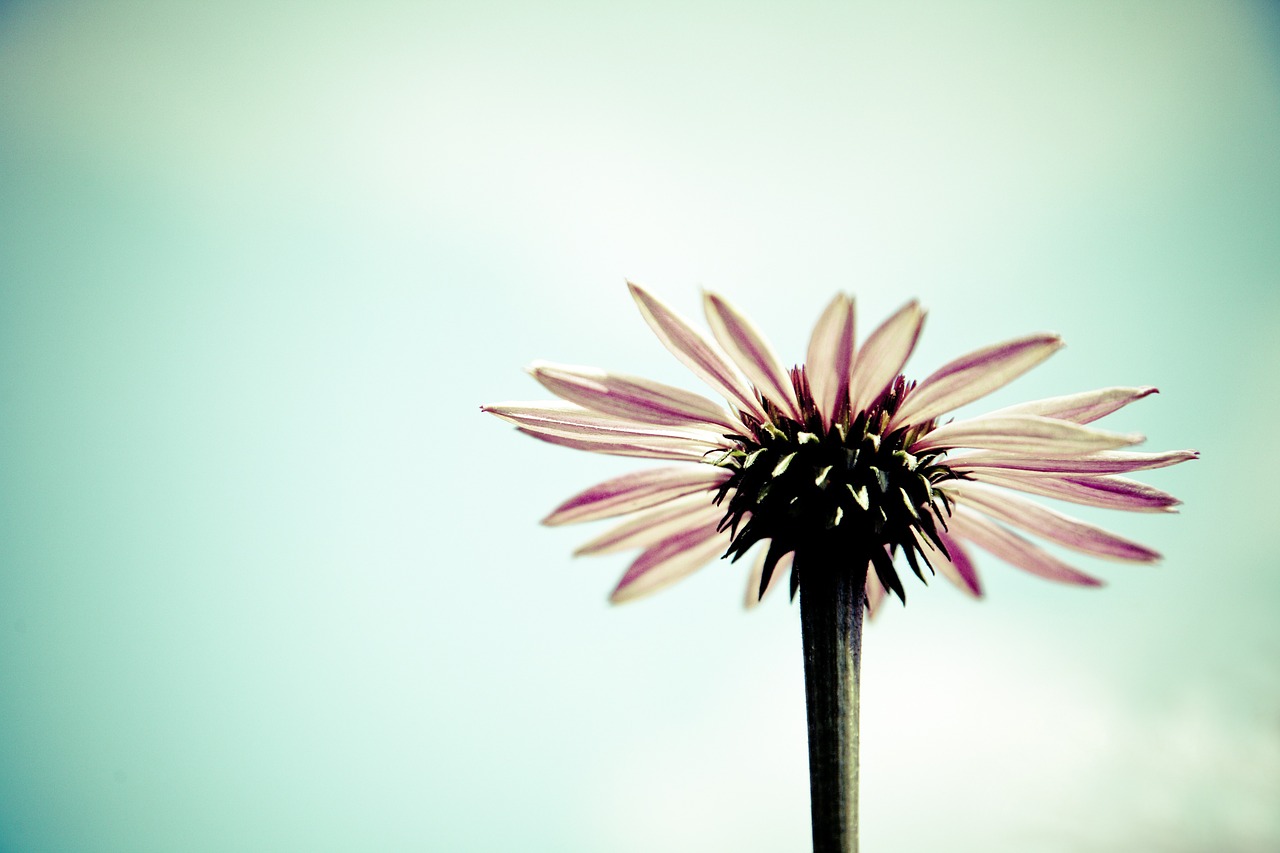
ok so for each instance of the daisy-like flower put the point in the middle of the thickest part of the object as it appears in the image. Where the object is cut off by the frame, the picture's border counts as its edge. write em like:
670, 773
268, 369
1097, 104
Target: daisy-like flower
843, 457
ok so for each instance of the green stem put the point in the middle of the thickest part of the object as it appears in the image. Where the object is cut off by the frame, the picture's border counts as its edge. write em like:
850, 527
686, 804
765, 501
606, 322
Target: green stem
831, 606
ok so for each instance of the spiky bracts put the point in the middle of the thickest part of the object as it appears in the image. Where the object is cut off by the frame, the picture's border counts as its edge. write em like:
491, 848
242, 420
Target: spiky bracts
851, 489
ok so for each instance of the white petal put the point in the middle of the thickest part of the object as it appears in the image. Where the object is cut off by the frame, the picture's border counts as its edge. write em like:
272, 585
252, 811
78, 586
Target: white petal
633, 398
1023, 434
1013, 549
697, 353
680, 450
636, 491
830, 357
669, 561
1101, 491
581, 429
575, 421
972, 376
1107, 462
1042, 521
647, 528
1080, 408
751, 352
881, 358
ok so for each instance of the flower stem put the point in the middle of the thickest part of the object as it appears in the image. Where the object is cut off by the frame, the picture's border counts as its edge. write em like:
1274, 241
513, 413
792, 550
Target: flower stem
831, 605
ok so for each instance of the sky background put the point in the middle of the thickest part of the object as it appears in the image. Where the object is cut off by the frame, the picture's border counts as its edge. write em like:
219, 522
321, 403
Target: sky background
270, 581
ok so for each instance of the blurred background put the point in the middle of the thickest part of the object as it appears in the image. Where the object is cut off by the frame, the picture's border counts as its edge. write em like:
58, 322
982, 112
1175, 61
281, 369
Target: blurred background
270, 581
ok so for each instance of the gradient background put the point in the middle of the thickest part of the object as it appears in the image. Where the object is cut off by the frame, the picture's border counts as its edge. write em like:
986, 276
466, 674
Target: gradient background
269, 581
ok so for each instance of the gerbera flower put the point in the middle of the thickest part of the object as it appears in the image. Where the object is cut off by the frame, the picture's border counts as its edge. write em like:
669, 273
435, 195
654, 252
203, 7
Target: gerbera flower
843, 456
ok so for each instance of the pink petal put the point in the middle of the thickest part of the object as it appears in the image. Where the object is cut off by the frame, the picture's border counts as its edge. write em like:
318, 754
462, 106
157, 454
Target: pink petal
574, 421
780, 570
881, 358
633, 398
1103, 491
751, 352
1052, 525
1013, 549
972, 376
646, 528
830, 357
648, 448
1081, 408
669, 561
875, 593
696, 352
1107, 462
636, 491
1023, 434
958, 568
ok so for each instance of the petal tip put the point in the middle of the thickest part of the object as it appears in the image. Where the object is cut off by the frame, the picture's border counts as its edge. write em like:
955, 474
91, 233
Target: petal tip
537, 366
624, 593
1052, 340
841, 299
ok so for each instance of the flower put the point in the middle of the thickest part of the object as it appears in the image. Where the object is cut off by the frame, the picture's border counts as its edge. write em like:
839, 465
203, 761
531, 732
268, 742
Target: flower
843, 454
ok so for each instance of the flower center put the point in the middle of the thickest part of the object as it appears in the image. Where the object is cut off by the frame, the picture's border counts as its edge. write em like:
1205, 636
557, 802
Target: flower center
852, 491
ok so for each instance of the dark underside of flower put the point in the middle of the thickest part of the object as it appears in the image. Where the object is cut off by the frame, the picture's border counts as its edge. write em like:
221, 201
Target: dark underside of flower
839, 498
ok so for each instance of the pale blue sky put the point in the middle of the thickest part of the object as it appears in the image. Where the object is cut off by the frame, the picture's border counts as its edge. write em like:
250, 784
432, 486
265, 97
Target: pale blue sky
269, 581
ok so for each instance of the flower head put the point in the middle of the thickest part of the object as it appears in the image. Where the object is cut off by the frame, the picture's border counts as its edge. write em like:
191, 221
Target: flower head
842, 456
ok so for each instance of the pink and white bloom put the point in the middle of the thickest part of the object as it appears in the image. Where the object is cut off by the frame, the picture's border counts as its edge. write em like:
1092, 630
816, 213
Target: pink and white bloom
842, 456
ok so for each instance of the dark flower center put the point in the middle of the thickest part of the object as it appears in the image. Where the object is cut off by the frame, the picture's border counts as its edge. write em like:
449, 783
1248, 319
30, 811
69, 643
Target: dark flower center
852, 492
